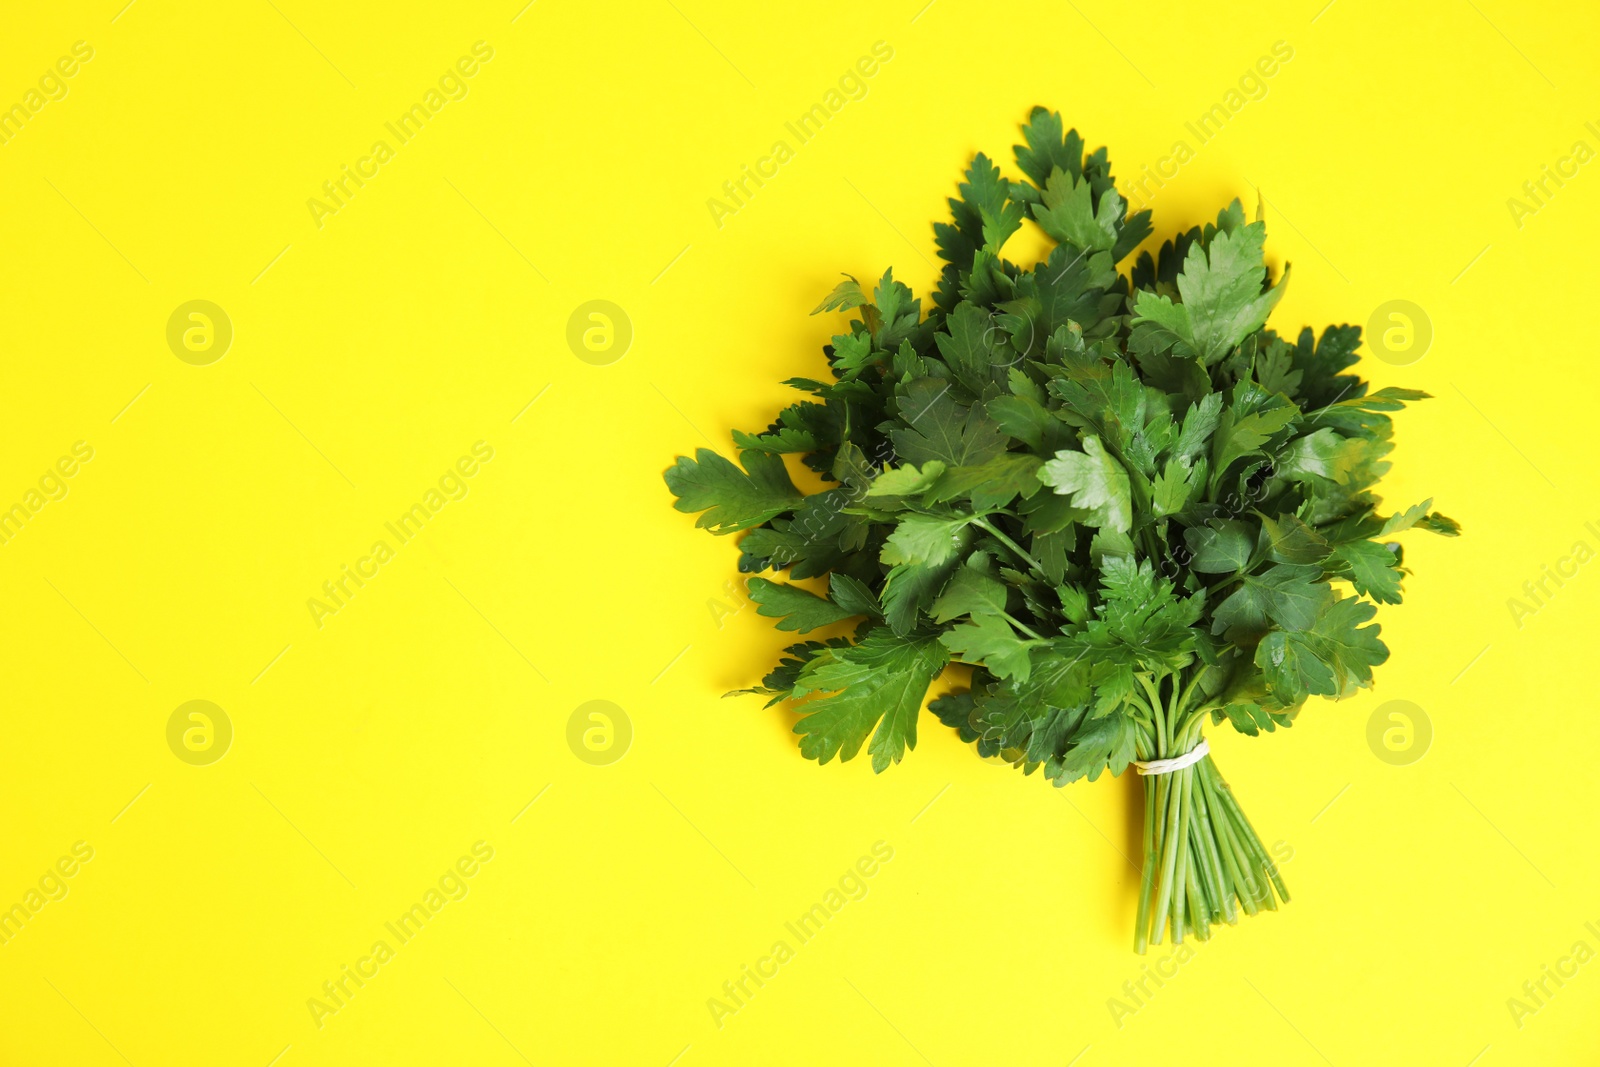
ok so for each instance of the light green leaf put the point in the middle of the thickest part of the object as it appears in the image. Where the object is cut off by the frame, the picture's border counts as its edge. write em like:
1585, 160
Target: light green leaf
1237, 436
1221, 290
1406, 519
874, 687
1068, 214
1095, 481
846, 295
1370, 567
1220, 287
930, 539
989, 640
1198, 426
1174, 486
1322, 454
907, 480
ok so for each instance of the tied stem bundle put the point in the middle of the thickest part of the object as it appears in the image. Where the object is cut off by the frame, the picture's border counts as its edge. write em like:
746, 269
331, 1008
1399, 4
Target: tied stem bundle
1202, 859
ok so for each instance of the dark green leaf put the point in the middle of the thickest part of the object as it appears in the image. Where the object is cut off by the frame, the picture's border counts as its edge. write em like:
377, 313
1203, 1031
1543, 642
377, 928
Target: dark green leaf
732, 499
793, 607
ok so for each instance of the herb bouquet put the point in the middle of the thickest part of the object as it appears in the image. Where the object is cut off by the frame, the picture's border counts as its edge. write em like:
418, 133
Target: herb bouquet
1124, 503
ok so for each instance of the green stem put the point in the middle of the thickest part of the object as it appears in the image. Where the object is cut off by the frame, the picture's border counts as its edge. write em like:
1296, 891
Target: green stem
1169, 858
1163, 723
1203, 860
1141, 928
1199, 908
1181, 700
1212, 878
1153, 689
1237, 866
1021, 626
1249, 888
1253, 841
1003, 539
1182, 874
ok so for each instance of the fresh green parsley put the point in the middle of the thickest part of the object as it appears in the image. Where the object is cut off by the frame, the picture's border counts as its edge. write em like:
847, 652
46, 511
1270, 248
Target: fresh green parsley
1120, 501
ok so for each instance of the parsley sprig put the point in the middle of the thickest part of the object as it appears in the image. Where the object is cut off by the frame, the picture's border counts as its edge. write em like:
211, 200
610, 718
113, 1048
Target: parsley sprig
1123, 502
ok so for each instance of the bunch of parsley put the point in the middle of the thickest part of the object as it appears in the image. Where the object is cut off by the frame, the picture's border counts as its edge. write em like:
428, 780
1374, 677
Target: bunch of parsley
1119, 499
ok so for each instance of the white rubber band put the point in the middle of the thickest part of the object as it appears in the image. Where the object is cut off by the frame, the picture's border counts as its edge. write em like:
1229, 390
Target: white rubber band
1176, 763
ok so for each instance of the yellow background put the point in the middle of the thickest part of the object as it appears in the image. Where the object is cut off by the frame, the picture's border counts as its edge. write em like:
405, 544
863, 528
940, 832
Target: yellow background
368, 354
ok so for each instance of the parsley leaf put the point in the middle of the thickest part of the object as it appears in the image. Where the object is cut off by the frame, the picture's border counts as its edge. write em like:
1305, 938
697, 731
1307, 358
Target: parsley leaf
874, 687
1097, 483
793, 607
937, 428
1220, 287
732, 499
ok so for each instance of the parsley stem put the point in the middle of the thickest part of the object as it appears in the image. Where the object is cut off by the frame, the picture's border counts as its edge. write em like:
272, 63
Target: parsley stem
1222, 584
1173, 818
1183, 873
1153, 688
1133, 698
1003, 539
1203, 861
1148, 537
1181, 701
1021, 626
1234, 863
1214, 880
1147, 875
